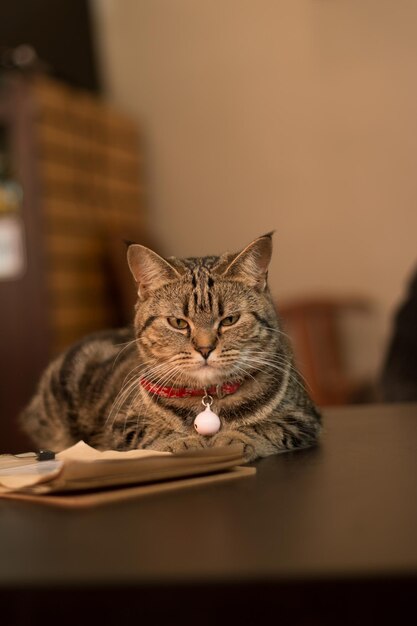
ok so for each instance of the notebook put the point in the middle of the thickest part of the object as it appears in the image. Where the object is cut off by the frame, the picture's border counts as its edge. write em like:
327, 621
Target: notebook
83, 476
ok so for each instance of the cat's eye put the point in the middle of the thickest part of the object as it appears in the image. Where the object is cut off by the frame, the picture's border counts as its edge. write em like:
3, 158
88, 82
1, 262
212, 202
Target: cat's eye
229, 320
178, 323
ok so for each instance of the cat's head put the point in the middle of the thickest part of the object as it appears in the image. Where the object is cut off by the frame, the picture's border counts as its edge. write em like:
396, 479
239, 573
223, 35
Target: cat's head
203, 321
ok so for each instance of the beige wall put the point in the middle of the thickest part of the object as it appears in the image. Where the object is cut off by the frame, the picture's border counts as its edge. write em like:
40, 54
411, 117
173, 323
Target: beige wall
293, 115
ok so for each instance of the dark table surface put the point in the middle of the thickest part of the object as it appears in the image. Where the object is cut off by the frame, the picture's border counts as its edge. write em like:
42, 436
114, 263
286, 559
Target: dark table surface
309, 531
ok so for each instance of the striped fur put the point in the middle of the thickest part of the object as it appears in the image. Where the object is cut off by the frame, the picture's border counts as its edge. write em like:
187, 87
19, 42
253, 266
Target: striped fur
230, 333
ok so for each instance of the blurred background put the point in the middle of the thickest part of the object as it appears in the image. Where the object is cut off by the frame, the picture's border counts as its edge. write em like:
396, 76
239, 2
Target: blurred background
194, 127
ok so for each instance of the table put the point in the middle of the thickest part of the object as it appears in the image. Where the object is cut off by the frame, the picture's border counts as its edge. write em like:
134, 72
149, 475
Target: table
325, 535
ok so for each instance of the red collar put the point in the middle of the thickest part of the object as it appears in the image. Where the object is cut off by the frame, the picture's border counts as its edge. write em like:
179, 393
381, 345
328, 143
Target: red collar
188, 392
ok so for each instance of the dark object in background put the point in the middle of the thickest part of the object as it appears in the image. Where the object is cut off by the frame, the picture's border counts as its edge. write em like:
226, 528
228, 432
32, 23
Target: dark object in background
60, 33
399, 375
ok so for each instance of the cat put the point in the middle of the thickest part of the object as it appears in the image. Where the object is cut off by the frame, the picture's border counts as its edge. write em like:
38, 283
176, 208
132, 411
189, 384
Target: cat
205, 331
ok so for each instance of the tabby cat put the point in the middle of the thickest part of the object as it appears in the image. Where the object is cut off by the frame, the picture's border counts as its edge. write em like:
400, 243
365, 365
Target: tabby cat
204, 329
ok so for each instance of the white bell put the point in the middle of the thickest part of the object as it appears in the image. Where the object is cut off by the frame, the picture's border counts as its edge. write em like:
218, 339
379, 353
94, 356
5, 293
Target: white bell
207, 422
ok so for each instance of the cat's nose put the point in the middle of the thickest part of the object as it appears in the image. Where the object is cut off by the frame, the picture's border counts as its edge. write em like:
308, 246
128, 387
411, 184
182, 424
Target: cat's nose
205, 350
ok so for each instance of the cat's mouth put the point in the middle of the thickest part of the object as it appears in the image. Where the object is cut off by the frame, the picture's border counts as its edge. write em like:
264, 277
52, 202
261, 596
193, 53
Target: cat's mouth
205, 373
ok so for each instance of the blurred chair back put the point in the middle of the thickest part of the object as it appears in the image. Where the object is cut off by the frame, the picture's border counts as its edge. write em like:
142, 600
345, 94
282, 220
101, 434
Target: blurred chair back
313, 325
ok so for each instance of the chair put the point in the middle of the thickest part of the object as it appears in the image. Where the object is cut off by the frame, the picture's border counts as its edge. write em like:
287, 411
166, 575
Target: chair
313, 325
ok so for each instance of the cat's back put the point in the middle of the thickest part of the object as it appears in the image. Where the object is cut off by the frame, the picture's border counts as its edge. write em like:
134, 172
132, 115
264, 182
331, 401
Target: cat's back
77, 390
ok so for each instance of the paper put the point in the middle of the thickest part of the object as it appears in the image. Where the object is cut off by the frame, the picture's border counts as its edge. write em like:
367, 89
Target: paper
83, 452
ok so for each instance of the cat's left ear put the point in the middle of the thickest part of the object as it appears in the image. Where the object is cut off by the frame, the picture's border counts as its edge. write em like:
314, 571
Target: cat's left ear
149, 270
251, 265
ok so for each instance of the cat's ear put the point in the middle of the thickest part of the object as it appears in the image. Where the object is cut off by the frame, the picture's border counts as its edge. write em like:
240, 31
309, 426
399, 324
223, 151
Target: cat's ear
251, 265
149, 270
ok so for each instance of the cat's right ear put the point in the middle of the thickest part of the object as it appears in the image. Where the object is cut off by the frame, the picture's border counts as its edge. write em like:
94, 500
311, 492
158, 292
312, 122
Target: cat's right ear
149, 270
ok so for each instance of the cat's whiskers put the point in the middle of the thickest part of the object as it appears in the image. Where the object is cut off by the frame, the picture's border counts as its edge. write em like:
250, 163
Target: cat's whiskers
161, 370
144, 365
285, 372
280, 366
160, 375
119, 401
132, 387
246, 373
133, 402
165, 379
126, 346
125, 343
130, 376
128, 388
149, 370
181, 359
177, 378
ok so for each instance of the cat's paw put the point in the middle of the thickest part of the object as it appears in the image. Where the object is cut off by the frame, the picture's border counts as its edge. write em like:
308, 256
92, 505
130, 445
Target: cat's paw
232, 437
178, 444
